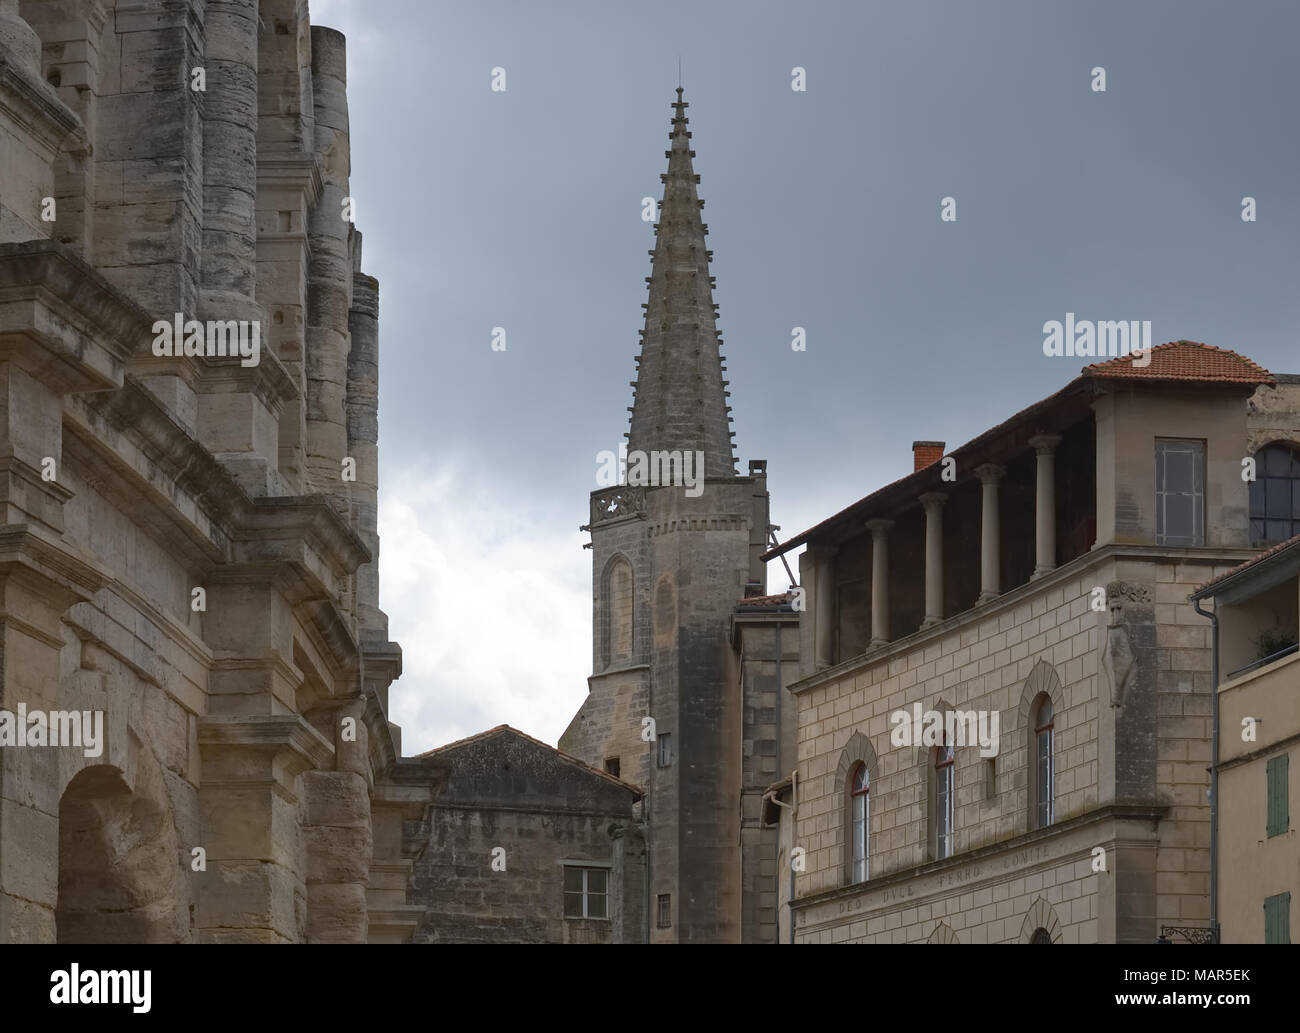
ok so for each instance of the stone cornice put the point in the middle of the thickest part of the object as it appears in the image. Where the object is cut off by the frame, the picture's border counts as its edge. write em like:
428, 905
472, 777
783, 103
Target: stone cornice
26, 550
1122, 811
36, 107
290, 733
62, 320
291, 170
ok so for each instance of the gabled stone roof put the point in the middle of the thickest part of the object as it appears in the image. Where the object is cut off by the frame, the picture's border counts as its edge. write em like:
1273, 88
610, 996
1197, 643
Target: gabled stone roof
481, 737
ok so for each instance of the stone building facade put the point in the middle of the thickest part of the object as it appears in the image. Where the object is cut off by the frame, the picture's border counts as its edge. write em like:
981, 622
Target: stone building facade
189, 534
1256, 614
1038, 576
523, 844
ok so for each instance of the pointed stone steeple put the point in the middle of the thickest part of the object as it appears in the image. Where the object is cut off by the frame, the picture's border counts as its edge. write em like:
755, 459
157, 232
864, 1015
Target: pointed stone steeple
680, 399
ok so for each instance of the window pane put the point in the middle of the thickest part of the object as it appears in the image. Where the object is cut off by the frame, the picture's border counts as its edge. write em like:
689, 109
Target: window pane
1276, 462
1179, 511
1277, 497
1277, 530
1257, 498
597, 880
572, 880
1295, 499
573, 905
1178, 470
1257, 530
596, 906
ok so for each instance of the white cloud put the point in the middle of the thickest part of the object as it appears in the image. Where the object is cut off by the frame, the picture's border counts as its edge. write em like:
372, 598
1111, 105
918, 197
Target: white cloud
349, 18
490, 601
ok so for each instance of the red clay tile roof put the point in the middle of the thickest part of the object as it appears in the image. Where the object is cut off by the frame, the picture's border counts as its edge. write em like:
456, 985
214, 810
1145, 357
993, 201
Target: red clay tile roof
1266, 554
537, 742
1186, 361
1177, 361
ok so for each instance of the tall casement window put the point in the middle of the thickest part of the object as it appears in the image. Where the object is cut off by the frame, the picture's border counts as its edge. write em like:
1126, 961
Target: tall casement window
616, 616
1180, 492
1044, 762
944, 757
586, 892
1275, 494
1277, 772
1277, 918
860, 810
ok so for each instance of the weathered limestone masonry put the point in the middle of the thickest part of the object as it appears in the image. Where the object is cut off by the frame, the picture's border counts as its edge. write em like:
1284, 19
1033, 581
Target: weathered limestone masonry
180, 549
514, 817
1069, 619
667, 571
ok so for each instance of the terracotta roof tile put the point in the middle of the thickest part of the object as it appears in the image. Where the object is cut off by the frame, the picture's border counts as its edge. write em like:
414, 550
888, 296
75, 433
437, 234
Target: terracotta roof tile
1266, 554
1185, 361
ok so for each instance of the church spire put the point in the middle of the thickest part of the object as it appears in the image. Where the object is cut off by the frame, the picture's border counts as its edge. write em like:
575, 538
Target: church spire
680, 399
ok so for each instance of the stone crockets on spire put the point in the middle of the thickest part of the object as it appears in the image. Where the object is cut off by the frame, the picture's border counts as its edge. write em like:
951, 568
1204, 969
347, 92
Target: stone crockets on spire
680, 402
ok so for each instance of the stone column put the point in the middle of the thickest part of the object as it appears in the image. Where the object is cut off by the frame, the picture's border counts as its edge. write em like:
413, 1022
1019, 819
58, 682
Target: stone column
1045, 504
824, 608
933, 502
329, 285
990, 531
19, 43
879, 581
230, 160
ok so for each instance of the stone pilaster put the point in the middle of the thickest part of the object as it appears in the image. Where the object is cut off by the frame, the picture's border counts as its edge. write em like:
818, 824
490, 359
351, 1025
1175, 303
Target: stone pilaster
252, 891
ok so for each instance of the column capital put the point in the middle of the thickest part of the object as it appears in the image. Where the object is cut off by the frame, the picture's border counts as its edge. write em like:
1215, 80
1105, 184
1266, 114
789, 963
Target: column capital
990, 473
1045, 444
879, 527
933, 500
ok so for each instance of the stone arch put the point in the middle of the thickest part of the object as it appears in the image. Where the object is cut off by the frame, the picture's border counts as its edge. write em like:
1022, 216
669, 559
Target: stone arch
858, 750
1043, 681
119, 878
617, 610
1040, 916
943, 934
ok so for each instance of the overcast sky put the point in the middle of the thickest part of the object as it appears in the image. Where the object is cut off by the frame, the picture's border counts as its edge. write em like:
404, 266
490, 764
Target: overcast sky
522, 209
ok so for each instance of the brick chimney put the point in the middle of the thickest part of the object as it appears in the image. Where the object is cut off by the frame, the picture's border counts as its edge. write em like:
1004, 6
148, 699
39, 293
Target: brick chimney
926, 453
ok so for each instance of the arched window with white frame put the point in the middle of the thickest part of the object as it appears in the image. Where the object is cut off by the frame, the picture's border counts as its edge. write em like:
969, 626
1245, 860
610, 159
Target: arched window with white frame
944, 798
860, 809
1044, 761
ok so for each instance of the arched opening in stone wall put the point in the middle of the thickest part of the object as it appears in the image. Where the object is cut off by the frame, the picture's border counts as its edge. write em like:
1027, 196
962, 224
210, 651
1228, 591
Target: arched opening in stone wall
118, 872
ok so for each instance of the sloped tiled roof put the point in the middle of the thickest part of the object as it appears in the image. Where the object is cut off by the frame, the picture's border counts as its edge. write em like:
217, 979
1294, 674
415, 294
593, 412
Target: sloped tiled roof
1176, 362
1290, 543
1188, 361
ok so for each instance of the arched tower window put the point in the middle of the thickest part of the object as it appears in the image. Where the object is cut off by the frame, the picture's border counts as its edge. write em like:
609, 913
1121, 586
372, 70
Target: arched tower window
1044, 761
860, 810
1275, 493
617, 606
